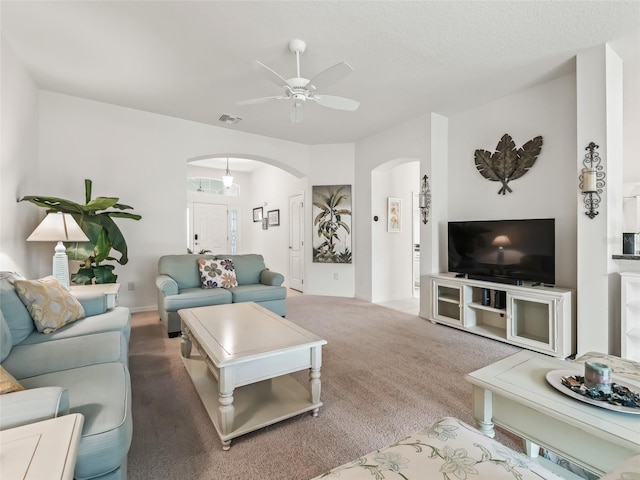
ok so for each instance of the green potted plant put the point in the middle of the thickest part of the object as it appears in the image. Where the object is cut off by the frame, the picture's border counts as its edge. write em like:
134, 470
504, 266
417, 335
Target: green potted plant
95, 218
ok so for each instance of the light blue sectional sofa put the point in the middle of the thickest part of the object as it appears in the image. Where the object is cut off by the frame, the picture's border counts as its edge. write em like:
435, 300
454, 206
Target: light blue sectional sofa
79, 368
179, 286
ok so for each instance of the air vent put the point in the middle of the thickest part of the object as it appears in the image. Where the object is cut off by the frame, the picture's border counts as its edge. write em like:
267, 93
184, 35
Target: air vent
229, 118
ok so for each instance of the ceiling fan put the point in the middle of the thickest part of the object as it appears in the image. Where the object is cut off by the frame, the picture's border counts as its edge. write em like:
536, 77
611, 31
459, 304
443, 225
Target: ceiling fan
300, 89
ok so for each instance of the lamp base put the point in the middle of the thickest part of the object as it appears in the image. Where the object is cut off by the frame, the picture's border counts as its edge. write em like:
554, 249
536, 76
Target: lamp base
61, 265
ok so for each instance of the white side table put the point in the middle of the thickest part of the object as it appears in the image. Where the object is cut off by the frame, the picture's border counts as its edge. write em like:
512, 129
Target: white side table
109, 289
46, 449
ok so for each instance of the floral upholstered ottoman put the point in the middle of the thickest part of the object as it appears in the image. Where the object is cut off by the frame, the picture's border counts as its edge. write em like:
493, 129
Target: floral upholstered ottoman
448, 450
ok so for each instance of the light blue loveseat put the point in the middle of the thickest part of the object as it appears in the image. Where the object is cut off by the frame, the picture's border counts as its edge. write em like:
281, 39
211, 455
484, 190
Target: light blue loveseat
79, 368
179, 287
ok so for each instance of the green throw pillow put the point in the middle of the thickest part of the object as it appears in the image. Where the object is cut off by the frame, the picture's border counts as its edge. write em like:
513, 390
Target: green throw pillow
50, 304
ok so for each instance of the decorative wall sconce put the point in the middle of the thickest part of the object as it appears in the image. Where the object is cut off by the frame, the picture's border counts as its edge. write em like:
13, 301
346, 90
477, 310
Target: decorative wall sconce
424, 199
592, 180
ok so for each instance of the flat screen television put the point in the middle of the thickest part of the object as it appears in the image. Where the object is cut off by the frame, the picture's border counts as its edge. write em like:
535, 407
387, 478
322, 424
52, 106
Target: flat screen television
507, 251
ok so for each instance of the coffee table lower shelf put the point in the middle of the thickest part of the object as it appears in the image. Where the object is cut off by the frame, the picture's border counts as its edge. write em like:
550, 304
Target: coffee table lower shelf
256, 405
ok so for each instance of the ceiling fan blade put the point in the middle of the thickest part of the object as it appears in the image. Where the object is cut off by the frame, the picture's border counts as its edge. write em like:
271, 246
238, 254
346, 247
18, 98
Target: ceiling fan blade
339, 103
297, 112
253, 101
331, 75
270, 74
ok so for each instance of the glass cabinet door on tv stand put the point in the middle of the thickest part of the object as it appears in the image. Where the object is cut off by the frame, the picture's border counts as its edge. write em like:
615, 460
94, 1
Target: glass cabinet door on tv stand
538, 318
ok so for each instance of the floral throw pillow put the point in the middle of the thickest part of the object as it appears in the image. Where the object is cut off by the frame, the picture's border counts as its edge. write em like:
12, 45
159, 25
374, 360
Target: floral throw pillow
217, 273
50, 304
228, 276
210, 271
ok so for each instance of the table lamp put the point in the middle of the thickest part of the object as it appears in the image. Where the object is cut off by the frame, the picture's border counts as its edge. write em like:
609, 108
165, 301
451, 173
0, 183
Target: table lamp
59, 227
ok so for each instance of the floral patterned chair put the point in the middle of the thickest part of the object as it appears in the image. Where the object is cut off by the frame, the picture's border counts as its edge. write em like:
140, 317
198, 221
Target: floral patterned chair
452, 450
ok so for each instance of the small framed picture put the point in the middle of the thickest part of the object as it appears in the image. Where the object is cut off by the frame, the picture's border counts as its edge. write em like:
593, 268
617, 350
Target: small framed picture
265, 223
257, 214
274, 217
394, 214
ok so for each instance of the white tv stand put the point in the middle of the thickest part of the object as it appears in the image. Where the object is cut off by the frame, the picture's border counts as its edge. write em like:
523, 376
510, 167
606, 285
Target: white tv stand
538, 318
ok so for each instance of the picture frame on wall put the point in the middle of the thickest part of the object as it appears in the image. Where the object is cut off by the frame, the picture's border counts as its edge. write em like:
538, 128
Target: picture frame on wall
274, 217
257, 214
394, 214
331, 213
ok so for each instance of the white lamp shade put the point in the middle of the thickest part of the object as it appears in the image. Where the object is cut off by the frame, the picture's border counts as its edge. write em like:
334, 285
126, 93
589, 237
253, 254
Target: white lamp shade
58, 227
501, 241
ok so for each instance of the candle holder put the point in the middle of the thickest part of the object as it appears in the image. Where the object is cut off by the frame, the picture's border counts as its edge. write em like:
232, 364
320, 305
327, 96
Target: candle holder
592, 180
424, 199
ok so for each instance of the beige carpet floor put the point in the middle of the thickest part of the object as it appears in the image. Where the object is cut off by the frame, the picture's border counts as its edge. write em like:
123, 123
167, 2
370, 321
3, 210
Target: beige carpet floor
385, 374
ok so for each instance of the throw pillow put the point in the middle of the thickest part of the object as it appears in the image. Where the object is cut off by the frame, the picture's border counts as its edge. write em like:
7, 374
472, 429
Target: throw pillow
228, 277
8, 384
210, 271
50, 304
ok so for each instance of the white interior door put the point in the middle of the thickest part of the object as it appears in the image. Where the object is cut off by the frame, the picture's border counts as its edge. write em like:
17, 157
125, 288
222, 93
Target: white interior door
296, 242
210, 227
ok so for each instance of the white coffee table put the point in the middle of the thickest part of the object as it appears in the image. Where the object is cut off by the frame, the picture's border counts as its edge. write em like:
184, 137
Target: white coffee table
246, 354
514, 394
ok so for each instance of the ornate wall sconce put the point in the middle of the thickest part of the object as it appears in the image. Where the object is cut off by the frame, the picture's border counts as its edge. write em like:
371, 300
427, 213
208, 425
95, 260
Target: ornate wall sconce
592, 180
424, 199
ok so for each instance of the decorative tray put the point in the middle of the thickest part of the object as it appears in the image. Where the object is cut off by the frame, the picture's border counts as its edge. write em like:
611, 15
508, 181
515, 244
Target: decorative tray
556, 379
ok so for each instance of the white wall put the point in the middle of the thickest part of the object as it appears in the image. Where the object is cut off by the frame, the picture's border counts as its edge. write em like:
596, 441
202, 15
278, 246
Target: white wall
141, 158
408, 140
18, 163
547, 190
270, 188
392, 253
331, 165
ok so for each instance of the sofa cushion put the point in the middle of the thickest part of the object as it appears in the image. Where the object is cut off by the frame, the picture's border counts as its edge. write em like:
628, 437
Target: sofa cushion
52, 356
257, 293
15, 313
8, 383
182, 268
50, 304
5, 338
196, 297
94, 303
102, 393
115, 320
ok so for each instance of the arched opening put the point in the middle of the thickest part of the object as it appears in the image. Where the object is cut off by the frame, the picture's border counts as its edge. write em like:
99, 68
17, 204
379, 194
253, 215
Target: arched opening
232, 220
395, 236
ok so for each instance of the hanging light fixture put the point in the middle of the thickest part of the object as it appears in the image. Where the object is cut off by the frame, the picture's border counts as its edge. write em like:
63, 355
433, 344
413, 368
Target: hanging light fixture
227, 179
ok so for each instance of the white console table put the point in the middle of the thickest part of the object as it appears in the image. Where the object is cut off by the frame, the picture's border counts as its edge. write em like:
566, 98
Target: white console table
538, 318
46, 449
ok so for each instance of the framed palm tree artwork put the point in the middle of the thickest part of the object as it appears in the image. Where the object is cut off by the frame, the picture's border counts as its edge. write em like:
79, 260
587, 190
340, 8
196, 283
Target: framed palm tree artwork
331, 213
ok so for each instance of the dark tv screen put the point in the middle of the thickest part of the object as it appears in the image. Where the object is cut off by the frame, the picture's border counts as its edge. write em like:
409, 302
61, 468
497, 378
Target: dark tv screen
504, 249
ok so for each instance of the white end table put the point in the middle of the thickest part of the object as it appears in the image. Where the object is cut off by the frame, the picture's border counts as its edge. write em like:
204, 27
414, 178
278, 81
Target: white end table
46, 449
109, 289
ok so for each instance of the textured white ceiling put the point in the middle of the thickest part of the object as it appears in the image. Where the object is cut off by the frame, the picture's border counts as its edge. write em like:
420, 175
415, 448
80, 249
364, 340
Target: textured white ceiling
192, 60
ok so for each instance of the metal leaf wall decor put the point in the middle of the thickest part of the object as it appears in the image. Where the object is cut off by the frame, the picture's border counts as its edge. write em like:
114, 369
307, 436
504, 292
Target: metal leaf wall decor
507, 163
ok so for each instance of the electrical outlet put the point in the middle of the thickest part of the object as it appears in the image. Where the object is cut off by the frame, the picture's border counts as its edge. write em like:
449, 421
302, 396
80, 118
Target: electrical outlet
131, 286
335, 276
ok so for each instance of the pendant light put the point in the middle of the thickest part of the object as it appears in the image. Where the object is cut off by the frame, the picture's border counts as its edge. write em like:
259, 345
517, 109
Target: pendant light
227, 179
